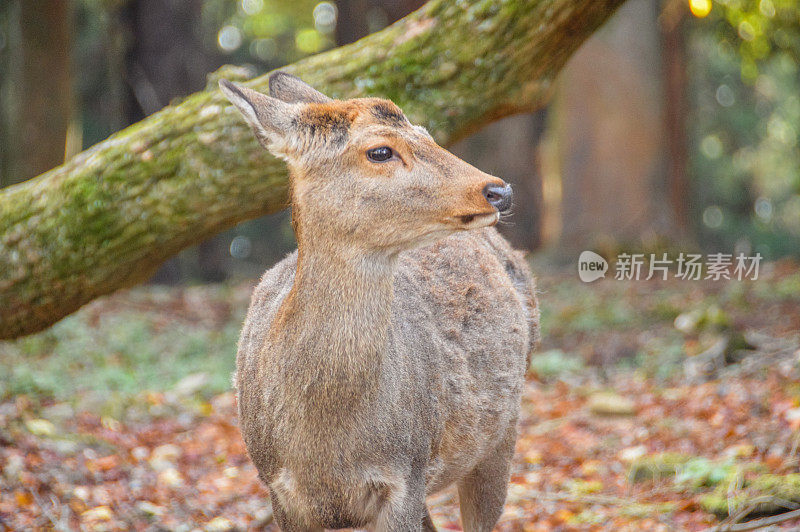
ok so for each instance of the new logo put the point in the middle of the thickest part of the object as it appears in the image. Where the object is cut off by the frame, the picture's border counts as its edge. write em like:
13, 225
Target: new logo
591, 266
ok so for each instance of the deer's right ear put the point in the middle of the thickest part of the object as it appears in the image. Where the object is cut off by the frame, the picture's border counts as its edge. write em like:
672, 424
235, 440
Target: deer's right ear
271, 119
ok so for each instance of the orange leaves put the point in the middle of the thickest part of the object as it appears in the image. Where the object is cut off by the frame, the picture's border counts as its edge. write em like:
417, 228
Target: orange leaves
570, 472
160, 473
23, 498
107, 463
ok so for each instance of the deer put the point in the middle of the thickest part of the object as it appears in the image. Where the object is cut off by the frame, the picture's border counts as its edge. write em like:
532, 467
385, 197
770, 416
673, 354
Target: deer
384, 360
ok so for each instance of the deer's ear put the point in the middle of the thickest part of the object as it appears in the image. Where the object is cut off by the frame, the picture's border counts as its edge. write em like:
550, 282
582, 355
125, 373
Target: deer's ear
271, 119
292, 89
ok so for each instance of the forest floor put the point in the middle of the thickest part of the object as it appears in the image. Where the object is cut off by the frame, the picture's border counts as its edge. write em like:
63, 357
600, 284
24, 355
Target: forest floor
650, 406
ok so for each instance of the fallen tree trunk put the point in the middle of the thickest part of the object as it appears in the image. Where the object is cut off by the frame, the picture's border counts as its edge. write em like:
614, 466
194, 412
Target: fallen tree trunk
110, 216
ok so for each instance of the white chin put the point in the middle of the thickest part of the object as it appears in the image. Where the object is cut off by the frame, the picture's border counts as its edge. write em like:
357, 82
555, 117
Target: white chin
478, 221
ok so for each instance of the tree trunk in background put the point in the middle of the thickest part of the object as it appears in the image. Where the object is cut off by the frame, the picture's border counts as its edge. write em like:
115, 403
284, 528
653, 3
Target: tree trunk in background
676, 108
351, 21
611, 136
38, 107
359, 18
166, 57
8, 23
111, 215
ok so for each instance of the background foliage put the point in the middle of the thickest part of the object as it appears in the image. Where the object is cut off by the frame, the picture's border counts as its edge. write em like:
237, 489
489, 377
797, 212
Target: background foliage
745, 90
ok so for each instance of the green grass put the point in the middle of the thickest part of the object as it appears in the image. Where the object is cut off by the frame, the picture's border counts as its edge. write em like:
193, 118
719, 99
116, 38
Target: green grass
122, 355
572, 308
555, 363
786, 288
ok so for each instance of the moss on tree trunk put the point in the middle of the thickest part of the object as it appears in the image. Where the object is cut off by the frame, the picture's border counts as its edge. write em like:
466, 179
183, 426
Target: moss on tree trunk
110, 216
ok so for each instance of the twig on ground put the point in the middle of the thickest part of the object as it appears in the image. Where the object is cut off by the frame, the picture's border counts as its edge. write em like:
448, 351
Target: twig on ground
605, 500
756, 523
734, 486
752, 505
792, 459
56, 522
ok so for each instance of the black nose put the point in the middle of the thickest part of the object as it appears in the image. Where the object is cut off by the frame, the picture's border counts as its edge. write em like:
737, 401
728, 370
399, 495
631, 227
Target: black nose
498, 197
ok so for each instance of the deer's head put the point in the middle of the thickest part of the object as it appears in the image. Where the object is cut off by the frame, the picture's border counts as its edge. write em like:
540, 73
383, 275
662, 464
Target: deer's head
361, 174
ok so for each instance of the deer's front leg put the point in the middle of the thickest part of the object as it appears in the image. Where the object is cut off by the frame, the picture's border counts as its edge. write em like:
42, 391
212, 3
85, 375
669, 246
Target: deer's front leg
407, 513
285, 522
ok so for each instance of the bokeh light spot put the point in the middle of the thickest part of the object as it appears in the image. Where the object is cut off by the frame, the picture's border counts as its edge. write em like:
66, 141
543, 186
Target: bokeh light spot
252, 7
241, 246
746, 30
711, 147
763, 208
325, 17
264, 49
229, 38
712, 217
309, 41
767, 8
700, 8
725, 96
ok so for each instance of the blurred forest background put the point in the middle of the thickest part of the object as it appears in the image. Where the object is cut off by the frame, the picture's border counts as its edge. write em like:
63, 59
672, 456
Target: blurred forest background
677, 123
657, 405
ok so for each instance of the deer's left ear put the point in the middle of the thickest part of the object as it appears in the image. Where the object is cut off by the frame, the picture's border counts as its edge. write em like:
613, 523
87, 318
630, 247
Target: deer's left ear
292, 89
272, 120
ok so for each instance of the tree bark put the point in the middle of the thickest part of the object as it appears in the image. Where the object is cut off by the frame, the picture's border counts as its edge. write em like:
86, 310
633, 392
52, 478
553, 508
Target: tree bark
108, 217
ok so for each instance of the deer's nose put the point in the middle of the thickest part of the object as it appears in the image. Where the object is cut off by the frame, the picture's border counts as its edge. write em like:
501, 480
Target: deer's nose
498, 196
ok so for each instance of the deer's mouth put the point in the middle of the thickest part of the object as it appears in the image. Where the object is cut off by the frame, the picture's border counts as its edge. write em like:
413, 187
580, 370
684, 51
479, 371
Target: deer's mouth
478, 219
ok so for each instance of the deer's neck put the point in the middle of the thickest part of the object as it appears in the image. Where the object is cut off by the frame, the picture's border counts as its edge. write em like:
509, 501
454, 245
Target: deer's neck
334, 324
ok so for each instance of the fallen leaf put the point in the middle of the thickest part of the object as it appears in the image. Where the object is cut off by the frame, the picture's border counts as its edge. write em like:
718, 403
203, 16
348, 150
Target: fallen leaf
629, 454
105, 463
23, 498
150, 508
170, 477
611, 404
98, 513
40, 427
219, 524
164, 456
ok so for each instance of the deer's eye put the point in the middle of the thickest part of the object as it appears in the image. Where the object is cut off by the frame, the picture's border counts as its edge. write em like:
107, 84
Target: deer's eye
380, 155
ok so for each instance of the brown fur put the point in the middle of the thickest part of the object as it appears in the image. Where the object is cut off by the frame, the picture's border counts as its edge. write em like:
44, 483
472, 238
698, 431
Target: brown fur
385, 359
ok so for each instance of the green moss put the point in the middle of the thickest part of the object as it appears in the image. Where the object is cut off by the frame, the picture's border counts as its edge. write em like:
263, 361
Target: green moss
700, 472
787, 287
643, 510
584, 487
657, 467
554, 363
696, 473
765, 487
